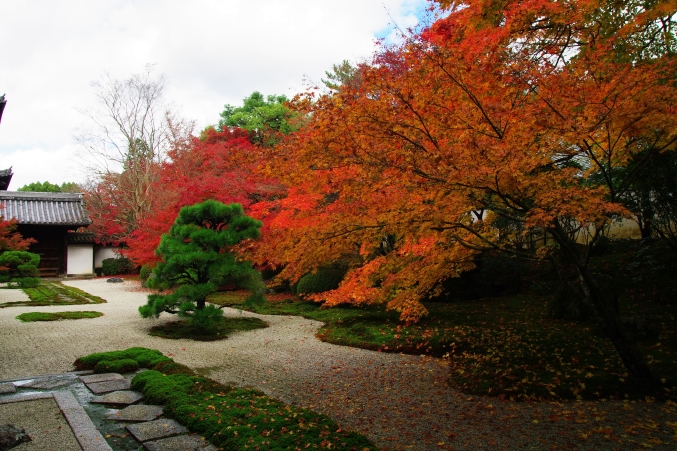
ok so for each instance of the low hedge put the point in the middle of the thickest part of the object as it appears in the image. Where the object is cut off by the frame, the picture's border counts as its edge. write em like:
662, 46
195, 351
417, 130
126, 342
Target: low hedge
115, 266
321, 281
231, 418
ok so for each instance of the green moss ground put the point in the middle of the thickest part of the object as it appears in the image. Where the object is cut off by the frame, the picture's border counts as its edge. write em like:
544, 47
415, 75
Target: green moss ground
55, 293
508, 346
234, 419
56, 316
222, 329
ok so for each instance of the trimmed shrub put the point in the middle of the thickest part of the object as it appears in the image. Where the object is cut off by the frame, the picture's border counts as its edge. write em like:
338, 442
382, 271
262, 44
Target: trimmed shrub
24, 282
145, 273
21, 269
322, 280
116, 366
115, 266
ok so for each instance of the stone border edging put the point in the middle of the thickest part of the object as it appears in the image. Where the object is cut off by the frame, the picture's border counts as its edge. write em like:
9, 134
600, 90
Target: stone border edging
87, 435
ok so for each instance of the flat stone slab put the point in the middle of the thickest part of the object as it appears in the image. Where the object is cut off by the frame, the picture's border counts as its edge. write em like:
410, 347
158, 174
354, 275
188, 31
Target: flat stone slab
101, 377
47, 384
124, 397
108, 386
7, 387
157, 429
136, 413
180, 443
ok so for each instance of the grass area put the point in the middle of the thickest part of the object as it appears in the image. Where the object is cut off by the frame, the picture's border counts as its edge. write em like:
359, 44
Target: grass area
221, 330
56, 316
509, 346
234, 419
55, 293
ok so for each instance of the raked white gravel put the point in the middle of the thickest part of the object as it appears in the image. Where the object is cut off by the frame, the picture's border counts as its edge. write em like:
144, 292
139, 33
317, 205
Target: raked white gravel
398, 401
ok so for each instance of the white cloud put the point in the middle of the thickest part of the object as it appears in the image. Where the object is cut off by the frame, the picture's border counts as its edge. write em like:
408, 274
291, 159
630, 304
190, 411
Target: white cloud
212, 52
41, 165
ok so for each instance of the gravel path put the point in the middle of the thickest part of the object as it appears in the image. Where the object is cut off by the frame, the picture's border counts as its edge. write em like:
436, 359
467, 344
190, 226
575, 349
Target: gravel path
400, 402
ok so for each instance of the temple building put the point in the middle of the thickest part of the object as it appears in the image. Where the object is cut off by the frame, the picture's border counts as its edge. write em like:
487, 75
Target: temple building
55, 221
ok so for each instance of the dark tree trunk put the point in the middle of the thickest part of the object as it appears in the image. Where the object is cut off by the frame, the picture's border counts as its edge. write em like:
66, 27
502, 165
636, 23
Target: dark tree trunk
605, 304
608, 318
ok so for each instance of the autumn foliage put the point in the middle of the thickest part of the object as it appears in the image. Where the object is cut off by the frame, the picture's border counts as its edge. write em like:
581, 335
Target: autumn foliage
217, 167
482, 131
499, 125
10, 239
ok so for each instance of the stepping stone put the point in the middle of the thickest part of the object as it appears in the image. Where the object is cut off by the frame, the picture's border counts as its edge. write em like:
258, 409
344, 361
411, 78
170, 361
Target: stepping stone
108, 386
153, 430
141, 412
46, 384
180, 443
101, 377
124, 397
7, 387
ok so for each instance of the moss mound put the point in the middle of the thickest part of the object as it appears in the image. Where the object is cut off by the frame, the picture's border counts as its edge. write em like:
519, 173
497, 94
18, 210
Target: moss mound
143, 357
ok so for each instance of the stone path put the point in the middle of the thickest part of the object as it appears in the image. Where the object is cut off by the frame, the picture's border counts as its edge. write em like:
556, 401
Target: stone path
103, 415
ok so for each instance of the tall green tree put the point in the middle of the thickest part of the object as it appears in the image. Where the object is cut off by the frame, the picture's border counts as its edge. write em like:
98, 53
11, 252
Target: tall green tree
263, 116
46, 187
198, 257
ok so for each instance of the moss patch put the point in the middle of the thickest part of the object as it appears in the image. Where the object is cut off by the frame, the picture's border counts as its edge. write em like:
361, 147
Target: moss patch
144, 358
56, 316
55, 293
221, 330
234, 419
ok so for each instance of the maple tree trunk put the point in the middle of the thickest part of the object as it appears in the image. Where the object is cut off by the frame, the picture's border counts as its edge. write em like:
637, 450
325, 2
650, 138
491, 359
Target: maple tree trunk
605, 304
608, 318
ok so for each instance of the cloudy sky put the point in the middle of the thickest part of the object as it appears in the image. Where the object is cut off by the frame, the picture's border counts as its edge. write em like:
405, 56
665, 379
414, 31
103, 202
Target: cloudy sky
212, 52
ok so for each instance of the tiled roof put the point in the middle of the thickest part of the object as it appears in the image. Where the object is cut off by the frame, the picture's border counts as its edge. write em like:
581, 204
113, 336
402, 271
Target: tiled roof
81, 238
44, 208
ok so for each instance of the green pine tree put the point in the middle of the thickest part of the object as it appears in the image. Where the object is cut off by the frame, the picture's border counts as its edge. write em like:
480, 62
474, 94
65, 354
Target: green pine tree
196, 261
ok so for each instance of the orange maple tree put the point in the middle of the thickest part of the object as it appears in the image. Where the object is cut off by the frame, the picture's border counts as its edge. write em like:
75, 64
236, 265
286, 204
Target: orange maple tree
500, 122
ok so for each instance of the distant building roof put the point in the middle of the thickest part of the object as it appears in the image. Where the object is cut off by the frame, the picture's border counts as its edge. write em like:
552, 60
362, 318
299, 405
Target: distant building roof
44, 208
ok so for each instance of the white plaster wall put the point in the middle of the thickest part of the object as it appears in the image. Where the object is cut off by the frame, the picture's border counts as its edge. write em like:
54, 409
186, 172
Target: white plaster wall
626, 228
101, 253
80, 259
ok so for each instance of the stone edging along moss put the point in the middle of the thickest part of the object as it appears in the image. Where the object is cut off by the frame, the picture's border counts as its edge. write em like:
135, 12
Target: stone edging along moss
232, 418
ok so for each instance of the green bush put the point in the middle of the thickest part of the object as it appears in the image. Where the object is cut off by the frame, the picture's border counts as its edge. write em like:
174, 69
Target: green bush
322, 280
22, 268
24, 282
116, 366
115, 266
145, 272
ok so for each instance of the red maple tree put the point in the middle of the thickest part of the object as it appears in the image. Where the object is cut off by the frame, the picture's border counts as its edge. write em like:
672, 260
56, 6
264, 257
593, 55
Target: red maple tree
218, 166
